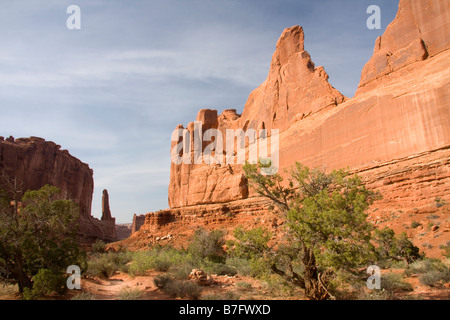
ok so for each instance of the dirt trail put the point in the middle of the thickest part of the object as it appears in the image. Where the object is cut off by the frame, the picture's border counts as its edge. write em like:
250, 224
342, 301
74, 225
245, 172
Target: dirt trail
110, 289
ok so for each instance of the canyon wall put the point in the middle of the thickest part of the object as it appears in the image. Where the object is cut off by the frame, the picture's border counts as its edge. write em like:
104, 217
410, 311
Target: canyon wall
36, 162
395, 131
401, 107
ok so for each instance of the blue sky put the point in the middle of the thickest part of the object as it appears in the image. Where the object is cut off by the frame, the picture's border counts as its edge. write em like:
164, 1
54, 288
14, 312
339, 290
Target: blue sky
113, 92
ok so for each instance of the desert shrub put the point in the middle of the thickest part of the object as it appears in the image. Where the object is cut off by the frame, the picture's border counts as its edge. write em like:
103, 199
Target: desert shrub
45, 282
130, 294
208, 245
141, 262
446, 248
250, 250
244, 285
219, 268
182, 271
84, 296
241, 265
426, 266
183, 289
422, 266
104, 265
161, 280
399, 265
415, 224
230, 295
162, 265
393, 282
432, 278
8, 289
98, 246
278, 286
427, 245
391, 248
158, 258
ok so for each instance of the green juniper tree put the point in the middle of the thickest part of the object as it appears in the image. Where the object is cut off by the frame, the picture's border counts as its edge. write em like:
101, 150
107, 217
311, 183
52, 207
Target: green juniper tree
38, 238
326, 225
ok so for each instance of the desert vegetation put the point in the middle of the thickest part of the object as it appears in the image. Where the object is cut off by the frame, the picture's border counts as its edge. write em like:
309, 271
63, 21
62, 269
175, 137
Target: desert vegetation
322, 252
38, 240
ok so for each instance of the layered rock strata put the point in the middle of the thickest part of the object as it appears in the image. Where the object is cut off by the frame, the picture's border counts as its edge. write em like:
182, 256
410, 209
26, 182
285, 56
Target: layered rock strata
35, 162
395, 131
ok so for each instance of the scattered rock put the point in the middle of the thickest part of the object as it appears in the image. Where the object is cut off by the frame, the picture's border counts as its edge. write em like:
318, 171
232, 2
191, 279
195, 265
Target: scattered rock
201, 278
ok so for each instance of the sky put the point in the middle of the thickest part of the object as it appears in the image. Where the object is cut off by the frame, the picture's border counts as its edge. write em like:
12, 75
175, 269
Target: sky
113, 91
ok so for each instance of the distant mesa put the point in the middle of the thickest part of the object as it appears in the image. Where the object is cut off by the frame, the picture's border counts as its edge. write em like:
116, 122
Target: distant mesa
36, 162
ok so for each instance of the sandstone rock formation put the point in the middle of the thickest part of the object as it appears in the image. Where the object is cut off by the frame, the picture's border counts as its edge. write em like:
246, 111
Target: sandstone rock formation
395, 131
201, 278
399, 110
138, 221
123, 231
106, 211
36, 162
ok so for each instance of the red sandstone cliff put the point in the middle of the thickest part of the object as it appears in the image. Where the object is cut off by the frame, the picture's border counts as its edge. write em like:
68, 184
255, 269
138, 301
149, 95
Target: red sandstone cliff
395, 132
401, 107
36, 162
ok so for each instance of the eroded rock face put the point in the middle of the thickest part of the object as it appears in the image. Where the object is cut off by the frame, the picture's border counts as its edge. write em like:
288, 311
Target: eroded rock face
36, 162
294, 89
106, 211
138, 221
395, 131
401, 107
420, 30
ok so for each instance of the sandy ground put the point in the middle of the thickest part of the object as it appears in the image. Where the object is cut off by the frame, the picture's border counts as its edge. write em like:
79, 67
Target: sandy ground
225, 287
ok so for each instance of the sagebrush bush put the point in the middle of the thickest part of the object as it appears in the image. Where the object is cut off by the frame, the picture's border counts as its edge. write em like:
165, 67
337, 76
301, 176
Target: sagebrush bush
183, 289
159, 258
432, 278
426, 266
104, 265
130, 294
219, 268
183, 270
161, 280
244, 285
98, 246
393, 282
241, 265
208, 245
278, 286
162, 265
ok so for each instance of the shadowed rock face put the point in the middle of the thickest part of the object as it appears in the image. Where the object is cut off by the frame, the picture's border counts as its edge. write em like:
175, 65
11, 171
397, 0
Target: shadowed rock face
106, 211
36, 162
